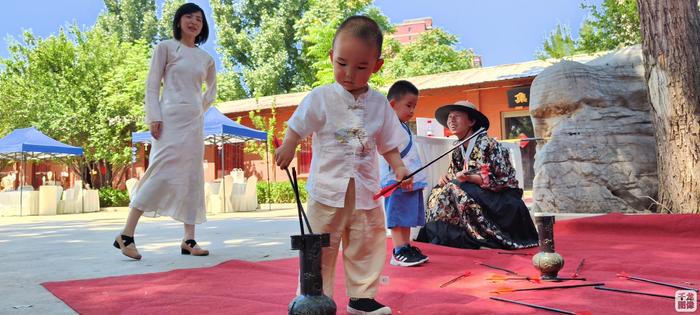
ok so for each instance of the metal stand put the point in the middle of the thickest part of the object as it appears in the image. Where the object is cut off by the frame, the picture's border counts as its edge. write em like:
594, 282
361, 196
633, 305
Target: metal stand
311, 301
223, 175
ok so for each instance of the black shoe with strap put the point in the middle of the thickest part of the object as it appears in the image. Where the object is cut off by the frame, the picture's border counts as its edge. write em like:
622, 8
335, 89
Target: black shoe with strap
365, 306
127, 245
190, 247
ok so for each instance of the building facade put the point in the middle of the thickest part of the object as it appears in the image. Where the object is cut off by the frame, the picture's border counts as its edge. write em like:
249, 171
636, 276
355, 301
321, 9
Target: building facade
500, 92
409, 31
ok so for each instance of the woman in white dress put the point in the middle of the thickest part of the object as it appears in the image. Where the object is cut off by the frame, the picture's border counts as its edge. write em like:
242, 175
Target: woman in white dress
173, 185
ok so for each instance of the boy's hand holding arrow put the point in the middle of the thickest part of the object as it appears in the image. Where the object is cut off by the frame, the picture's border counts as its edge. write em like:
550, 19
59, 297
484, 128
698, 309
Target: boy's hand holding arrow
390, 189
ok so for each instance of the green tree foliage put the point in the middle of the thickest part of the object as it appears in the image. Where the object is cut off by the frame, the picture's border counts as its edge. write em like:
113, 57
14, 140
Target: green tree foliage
282, 46
84, 88
276, 47
558, 45
317, 27
280, 192
165, 23
256, 40
268, 125
228, 86
433, 52
130, 20
613, 25
120, 110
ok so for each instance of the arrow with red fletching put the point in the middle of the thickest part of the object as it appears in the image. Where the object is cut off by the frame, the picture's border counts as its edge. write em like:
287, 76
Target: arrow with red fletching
578, 269
508, 289
495, 278
464, 275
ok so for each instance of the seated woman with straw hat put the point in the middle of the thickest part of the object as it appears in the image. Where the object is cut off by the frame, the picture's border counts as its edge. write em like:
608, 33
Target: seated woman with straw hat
478, 202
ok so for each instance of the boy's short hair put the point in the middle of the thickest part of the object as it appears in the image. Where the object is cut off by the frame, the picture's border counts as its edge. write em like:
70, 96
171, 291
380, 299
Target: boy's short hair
401, 88
364, 28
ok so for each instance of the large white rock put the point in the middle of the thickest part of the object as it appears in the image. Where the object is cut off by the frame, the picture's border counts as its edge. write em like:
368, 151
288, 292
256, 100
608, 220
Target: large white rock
601, 152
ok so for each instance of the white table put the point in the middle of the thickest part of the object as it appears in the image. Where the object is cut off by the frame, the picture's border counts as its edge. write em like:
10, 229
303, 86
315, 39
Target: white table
9, 203
237, 200
428, 149
79, 201
431, 147
91, 200
48, 199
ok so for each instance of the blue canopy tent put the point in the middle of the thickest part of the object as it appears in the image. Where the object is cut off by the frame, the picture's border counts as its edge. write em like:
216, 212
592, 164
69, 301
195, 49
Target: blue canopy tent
218, 130
30, 144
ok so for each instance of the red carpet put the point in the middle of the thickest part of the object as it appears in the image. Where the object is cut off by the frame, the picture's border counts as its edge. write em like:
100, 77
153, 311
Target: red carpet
658, 247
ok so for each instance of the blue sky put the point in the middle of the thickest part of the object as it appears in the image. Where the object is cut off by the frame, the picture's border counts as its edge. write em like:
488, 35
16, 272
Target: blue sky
501, 31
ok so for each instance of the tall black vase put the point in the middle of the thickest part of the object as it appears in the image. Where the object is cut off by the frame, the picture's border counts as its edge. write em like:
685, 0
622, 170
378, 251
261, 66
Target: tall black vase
311, 301
547, 261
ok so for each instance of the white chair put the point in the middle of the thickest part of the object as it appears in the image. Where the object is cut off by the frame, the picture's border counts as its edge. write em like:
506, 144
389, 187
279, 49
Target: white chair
49, 197
91, 200
238, 196
72, 201
211, 190
216, 200
238, 190
130, 184
238, 175
250, 197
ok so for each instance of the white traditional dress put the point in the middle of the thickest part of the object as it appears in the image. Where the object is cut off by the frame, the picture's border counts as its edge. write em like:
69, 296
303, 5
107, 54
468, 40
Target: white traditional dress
173, 184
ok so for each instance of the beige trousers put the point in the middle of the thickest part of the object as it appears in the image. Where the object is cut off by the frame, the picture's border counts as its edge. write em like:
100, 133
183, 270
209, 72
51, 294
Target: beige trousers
363, 237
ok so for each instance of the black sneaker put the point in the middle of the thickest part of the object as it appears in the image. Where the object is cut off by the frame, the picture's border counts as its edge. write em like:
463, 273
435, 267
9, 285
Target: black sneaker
406, 257
367, 307
419, 253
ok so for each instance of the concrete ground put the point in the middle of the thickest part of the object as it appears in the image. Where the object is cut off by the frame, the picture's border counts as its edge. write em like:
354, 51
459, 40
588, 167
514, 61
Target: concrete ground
78, 246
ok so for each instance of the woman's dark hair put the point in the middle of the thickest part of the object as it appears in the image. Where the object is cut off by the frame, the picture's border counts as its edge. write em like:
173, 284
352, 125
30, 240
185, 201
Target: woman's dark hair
188, 8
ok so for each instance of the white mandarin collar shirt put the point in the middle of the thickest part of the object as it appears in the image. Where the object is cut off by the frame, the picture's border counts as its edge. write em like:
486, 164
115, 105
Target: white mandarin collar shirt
347, 135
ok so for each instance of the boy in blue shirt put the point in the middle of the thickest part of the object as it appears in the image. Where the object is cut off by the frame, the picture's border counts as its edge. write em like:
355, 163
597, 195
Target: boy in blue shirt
404, 207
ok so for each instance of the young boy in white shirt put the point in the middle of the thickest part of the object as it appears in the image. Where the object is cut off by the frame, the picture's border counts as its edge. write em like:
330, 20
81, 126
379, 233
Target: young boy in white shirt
350, 123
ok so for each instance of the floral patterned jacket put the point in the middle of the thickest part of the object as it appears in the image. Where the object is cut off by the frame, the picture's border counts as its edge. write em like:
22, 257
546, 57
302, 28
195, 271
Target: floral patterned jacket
487, 151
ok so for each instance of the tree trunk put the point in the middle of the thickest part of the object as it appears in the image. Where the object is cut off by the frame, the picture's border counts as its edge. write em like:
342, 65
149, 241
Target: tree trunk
671, 48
